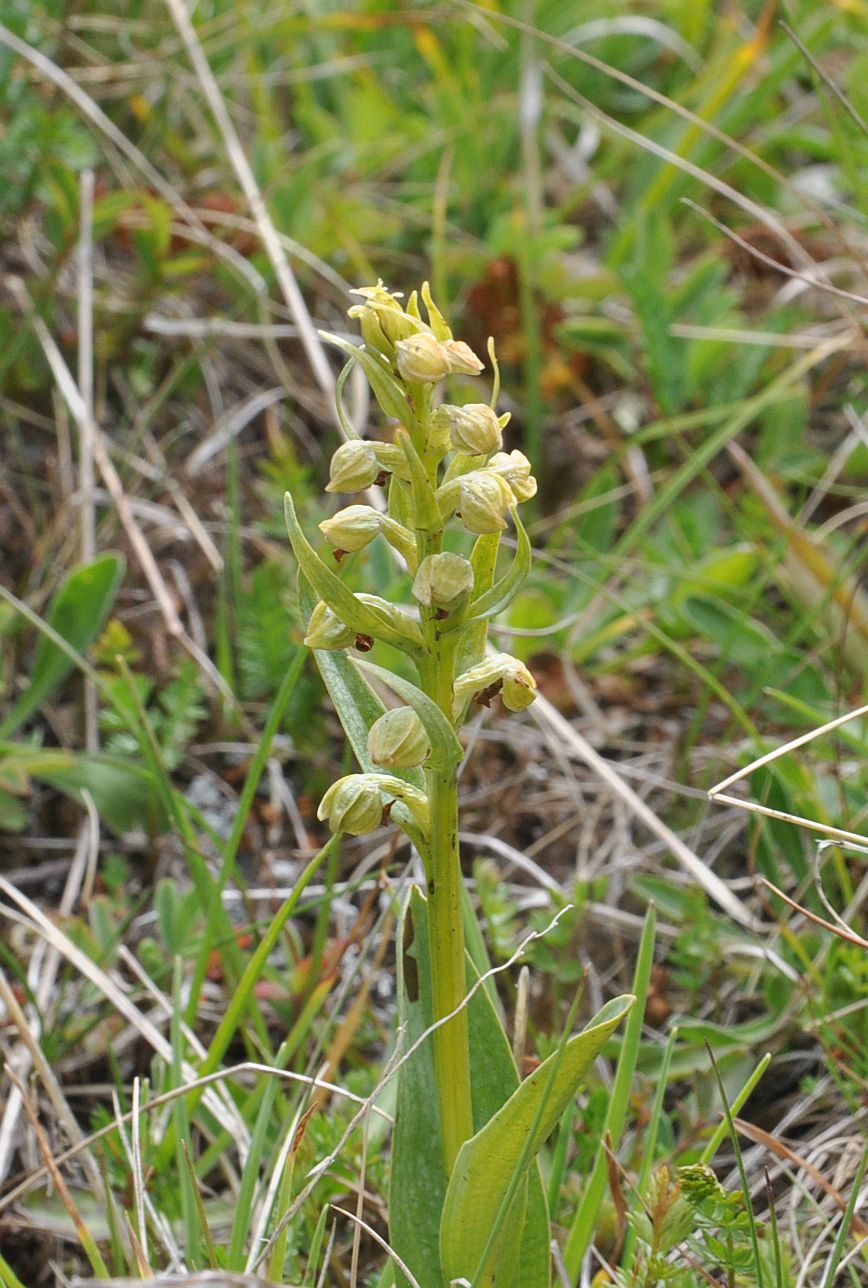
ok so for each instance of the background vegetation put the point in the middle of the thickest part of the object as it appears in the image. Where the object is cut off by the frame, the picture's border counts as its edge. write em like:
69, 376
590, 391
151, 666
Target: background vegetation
659, 211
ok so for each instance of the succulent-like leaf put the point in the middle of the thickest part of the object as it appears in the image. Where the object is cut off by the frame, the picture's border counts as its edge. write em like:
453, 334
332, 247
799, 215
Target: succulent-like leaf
488, 1163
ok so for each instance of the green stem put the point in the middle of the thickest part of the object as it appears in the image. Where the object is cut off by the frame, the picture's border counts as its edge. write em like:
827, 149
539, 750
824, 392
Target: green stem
448, 971
445, 922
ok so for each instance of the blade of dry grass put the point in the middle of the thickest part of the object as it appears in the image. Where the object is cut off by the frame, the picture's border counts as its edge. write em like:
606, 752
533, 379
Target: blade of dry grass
223, 1109
78, 409
562, 734
244, 173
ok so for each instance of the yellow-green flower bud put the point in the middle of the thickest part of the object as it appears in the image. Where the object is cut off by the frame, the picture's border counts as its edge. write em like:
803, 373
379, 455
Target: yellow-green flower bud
474, 429
352, 528
462, 360
515, 468
443, 580
398, 740
422, 358
484, 499
502, 674
519, 686
325, 630
381, 319
354, 467
353, 804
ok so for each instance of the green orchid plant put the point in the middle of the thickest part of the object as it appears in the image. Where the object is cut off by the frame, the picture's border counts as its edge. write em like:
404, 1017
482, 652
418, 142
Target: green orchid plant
466, 1202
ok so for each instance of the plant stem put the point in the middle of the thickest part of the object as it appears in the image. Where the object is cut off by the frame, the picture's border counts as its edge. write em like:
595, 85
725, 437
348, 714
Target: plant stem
448, 971
445, 924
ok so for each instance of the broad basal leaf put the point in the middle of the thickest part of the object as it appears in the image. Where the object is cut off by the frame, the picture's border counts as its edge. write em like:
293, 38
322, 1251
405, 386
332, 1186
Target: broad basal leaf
488, 1162
418, 1182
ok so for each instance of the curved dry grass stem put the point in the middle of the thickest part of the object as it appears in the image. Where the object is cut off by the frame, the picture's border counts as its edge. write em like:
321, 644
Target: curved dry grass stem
244, 173
96, 116
569, 739
78, 410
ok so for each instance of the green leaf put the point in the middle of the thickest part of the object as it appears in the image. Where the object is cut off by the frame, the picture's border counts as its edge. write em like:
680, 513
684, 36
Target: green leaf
487, 1163
358, 707
445, 748
354, 700
740, 638
427, 517
418, 1180
77, 612
363, 618
483, 560
385, 387
125, 793
501, 594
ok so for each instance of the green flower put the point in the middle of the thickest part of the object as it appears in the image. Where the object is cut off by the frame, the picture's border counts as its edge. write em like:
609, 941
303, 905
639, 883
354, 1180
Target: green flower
398, 740
484, 500
422, 358
352, 528
443, 580
474, 429
515, 468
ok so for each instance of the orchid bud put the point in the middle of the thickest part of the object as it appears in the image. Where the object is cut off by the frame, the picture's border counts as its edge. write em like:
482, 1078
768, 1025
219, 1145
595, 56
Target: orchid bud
325, 629
474, 429
398, 740
519, 686
443, 580
381, 319
485, 677
353, 804
500, 673
352, 528
462, 360
422, 358
515, 468
484, 498
354, 467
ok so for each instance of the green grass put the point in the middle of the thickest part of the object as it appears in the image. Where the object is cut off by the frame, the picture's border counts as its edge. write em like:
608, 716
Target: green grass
565, 175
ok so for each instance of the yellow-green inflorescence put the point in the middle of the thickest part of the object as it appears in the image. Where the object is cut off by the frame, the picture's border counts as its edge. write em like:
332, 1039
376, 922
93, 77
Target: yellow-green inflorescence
451, 491
444, 468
